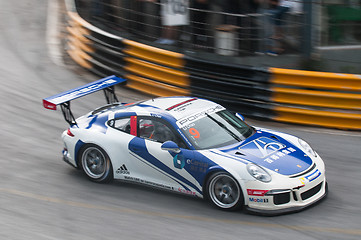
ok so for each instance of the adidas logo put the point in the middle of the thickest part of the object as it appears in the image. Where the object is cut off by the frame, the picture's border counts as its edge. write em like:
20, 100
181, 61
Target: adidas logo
122, 170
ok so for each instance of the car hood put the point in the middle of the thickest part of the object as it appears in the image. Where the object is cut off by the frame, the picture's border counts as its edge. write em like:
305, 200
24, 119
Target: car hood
270, 151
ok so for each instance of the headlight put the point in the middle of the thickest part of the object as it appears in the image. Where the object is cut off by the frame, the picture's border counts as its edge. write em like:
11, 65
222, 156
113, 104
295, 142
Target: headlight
307, 148
258, 173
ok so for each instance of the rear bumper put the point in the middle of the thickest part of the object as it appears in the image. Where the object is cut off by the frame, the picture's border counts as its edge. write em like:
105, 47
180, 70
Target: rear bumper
67, 159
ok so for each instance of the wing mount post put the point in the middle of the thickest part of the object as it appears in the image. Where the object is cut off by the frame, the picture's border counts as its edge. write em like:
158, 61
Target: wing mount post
110, 96
68, 115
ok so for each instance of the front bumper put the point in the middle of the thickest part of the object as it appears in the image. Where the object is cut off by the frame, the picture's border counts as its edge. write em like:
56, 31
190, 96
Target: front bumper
294, 202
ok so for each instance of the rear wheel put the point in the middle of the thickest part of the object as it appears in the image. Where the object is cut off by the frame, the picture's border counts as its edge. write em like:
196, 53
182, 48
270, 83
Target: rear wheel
96, 164
224, 192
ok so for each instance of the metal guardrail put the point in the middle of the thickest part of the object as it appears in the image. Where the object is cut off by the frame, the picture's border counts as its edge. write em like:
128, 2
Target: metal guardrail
317, 98
313, 98
322, 80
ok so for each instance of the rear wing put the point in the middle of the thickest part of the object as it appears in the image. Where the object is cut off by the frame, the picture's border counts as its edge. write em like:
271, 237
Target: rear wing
63, 99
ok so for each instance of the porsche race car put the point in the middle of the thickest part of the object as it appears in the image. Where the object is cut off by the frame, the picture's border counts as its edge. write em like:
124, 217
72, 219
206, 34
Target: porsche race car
192, 146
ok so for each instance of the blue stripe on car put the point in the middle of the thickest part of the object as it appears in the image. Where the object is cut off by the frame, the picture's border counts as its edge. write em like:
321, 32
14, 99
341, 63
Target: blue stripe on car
94, 119
313, 175
150, 165
98, 123
78, 145
141, 150
229, 156
123, 114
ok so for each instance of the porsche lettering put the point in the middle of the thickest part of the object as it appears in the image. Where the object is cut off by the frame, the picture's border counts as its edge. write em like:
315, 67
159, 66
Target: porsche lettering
84, 90
185, 121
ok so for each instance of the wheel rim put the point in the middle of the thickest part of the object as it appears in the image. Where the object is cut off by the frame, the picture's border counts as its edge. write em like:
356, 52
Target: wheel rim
94, 162
224, 191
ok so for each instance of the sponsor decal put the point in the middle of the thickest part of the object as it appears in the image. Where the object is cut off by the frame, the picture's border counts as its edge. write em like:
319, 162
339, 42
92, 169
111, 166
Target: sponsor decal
155, 115
134, 179
268, 149
198, 166
181, 106
189, 192
303, 180
179, 161
263, 147
187, 120
148, 182
256, 192
258, 200
84, 90
280, 154
122, 170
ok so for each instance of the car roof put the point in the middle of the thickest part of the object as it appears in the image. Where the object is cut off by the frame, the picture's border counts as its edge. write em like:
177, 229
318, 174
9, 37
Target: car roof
177, 107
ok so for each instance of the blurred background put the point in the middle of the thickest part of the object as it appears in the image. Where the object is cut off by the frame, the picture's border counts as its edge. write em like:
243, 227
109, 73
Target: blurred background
312, 35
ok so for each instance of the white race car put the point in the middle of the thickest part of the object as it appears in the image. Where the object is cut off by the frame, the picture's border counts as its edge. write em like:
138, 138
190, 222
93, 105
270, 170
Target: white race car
192, 146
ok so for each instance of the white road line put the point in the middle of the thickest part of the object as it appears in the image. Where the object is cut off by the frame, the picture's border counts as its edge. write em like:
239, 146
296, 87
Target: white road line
53, 33
335, 132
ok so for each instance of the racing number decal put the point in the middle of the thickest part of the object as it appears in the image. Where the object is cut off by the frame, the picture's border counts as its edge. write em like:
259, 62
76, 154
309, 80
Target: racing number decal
194, 132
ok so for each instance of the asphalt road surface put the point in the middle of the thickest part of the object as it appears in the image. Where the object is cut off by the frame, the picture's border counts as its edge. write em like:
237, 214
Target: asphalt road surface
41, 197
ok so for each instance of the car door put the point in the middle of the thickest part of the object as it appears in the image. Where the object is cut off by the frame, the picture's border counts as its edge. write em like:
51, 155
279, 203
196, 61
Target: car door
159, 167
119, 135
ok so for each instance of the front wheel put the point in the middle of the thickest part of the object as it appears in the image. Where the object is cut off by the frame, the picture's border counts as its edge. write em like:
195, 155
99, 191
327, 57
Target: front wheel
224, 192
96, 164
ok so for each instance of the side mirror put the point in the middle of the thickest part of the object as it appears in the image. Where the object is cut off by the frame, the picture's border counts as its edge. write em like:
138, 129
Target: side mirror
240, 116
170, 146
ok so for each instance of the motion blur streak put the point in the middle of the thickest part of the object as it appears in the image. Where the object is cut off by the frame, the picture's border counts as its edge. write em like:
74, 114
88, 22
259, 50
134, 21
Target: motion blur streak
194, 218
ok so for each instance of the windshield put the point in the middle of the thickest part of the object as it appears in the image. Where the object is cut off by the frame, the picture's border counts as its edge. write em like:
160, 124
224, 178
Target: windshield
217, 130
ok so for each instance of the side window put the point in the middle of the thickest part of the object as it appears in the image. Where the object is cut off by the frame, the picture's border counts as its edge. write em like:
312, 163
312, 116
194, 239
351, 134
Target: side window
156, 130
146, 128
122, 124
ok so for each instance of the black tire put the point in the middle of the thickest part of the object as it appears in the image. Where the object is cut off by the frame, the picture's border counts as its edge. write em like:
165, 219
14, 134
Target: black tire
95, 163
224, 192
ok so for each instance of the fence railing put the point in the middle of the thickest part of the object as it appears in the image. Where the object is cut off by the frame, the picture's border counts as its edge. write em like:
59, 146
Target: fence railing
249, 29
